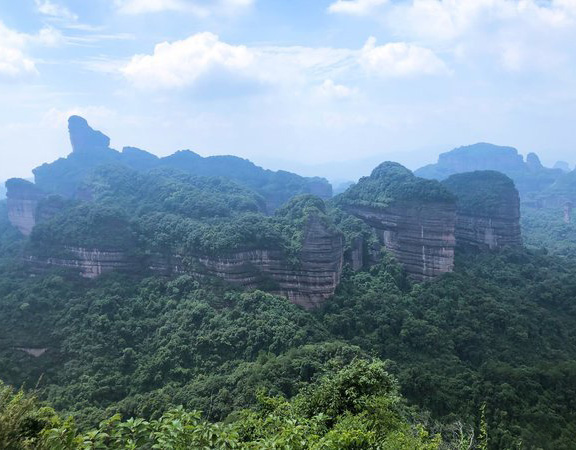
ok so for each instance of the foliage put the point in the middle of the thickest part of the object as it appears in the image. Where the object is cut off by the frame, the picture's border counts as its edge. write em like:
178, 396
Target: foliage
171, 212
497, 331
390, 182
482, 192
545, 228
22, 419
355, 407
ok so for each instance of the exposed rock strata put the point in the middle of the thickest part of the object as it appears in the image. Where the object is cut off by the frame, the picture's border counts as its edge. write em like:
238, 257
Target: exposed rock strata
488, 209
421, 237
23, 199
88, 263
413, 218
309, 283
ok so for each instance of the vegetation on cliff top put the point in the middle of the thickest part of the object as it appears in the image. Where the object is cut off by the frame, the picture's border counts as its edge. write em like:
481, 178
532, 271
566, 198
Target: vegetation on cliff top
483, 192
391, 182
171, 212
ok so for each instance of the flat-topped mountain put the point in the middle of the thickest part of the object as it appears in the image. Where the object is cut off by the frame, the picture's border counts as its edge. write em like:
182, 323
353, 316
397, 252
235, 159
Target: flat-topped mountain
414, 218
529, 176
100, 210
488, 209
91, 149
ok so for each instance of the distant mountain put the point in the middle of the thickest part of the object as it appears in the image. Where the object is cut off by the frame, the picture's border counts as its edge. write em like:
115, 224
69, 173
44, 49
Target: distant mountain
530, 176
2, 191
91, 149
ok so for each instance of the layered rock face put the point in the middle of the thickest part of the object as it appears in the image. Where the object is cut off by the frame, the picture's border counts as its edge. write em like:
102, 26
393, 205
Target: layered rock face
420, 237
88, 263
414, 218
23, 199
488, 209
308, 283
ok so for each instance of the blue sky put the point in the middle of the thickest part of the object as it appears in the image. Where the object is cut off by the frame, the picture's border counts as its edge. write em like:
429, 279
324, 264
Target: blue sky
317, 86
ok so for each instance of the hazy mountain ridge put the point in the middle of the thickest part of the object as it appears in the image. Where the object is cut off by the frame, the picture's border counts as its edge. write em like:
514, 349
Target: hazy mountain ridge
90, 149
170, 308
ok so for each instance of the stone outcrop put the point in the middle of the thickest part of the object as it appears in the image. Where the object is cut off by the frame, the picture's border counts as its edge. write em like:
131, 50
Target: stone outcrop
480, 156
308, 283
23, 199
421, 237
413, 218
488, 209
85, 139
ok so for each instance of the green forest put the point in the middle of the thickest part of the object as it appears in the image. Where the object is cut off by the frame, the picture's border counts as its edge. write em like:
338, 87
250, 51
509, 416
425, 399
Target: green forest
484, 357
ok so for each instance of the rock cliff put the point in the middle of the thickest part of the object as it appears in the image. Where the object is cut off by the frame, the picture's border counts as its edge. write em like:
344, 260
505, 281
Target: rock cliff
488, 214
23, 199
413, 218
307, 282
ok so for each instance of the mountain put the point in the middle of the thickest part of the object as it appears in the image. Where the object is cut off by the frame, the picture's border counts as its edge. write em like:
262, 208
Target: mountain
530, 176
91, 149
413, 218
136, 284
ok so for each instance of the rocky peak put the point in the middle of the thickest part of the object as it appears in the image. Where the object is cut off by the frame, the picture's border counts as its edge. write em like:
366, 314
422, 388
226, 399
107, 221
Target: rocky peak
533, 162
84, 138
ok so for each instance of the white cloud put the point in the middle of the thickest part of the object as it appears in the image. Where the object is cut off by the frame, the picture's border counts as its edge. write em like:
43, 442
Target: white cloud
49, 37
49, 8
300, 65
514, 35
399, 59
14, 63
329, 89
355, 7
197, 8
181, 63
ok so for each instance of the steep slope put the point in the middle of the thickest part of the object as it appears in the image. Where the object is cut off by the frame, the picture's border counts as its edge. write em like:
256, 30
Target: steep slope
23, 199
414, 218
488, 209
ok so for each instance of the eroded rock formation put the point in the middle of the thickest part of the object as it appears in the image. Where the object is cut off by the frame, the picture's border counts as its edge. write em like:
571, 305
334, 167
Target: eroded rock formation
488, 209
414, 218
23, 199
307, 282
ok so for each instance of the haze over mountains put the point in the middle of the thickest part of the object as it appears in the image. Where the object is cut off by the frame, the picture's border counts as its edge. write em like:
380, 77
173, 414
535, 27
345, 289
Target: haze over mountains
135, 283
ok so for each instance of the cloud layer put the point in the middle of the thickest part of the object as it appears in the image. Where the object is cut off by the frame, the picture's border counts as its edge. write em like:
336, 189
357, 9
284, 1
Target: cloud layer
181, 63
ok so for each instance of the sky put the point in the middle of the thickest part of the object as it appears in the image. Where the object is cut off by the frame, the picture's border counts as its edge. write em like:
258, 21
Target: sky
327, 87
